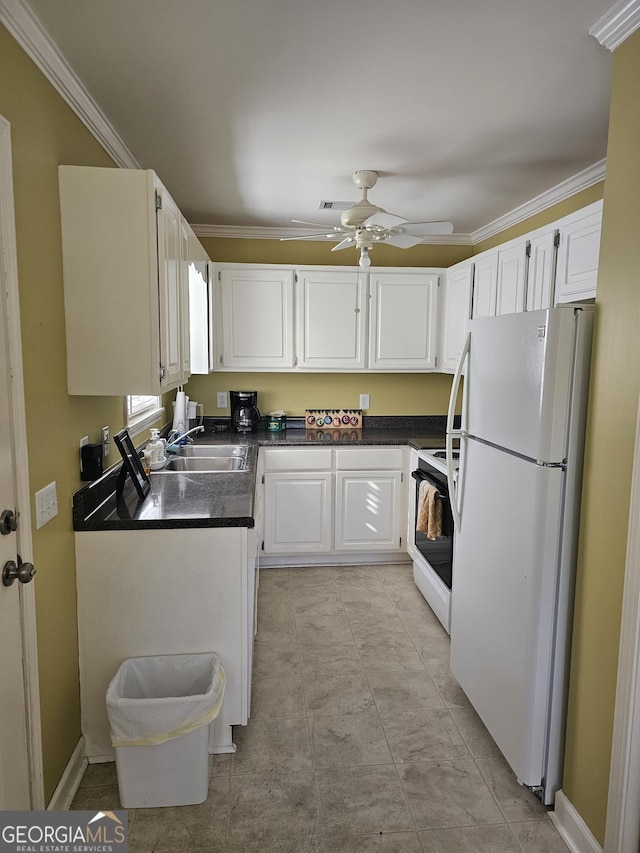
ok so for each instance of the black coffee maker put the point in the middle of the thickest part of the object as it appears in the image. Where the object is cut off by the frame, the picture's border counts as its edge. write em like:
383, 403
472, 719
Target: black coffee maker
244, 410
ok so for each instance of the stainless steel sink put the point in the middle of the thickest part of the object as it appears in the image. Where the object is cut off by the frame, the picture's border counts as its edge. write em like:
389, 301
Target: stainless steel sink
211, 464
224, 451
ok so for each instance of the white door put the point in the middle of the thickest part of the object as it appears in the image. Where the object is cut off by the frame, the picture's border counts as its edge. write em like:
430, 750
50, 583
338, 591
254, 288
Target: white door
512, 277
298, 512
367, 510
331, 318
16, 599
485, 285
403, 321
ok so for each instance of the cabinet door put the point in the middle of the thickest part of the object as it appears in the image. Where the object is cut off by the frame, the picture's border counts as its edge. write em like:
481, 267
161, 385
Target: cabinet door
457, 308
485, 285
256, 318
542, 268
170, 290
403, 321
367, 510
512, 279
298, 512
578, 254
185, 330
331, 319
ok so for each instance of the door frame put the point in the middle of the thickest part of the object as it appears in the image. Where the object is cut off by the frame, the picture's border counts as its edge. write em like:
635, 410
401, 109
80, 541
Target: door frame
10, 303
623, 807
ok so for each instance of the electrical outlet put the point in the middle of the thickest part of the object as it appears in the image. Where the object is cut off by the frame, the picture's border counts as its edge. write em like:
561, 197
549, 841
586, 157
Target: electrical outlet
83, 441
221, 400
46, 504
106, 442
364, 401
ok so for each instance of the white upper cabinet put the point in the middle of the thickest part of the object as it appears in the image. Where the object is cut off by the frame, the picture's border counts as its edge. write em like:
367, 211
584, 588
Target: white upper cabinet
403, 320
578, 254
512, 278
331, 318
457, 310
124, 298
542, 268
485, 285
255, 318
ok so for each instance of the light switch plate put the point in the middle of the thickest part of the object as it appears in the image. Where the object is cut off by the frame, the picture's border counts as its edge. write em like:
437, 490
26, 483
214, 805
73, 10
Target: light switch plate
364, 401
46, 504
106, 442
221, 400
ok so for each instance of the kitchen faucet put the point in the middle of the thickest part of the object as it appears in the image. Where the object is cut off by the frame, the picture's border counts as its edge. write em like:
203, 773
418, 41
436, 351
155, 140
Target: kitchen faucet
176, 438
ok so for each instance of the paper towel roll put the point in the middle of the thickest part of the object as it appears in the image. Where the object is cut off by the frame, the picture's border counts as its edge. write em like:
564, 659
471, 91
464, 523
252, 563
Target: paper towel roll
180, 412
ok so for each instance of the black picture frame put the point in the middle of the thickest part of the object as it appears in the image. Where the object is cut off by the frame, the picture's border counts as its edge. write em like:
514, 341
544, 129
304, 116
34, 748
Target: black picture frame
131, 463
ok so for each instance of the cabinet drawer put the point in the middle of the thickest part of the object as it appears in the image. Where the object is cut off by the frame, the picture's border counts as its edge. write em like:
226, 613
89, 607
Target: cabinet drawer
369, 458
298, 459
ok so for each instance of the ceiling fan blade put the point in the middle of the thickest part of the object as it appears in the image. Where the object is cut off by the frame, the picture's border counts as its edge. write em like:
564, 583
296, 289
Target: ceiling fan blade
320, 236
403, 241
384, 220
344, 244
316, 224
426, 228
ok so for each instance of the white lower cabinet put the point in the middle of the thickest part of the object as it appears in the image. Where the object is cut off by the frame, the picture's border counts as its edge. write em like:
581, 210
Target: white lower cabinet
162, 592
324, 500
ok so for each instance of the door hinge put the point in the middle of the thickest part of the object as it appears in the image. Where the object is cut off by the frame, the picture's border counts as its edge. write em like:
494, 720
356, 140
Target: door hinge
556, 239
263, 479
295, 277
402, 477
295, 360
528, 250
163, 373
221, 361
436, 361
263, 544
219, 275
158, 201
400, 545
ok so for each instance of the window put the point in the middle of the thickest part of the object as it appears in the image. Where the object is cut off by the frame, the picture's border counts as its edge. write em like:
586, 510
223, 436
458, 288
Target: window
141, 412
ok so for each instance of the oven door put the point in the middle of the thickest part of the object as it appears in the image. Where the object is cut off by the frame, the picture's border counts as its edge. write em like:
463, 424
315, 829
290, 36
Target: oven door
437, 552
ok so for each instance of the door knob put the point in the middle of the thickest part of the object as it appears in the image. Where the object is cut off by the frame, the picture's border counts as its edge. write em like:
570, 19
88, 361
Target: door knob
23, 572
8, 522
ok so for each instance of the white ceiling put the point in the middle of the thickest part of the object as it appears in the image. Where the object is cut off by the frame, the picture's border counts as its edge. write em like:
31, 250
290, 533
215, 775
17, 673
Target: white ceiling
253, 111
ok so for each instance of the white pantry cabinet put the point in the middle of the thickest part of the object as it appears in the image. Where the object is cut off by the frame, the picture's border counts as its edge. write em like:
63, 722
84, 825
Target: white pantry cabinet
331, 318
125, 291
158, 592
323, 501
542, 268
255, 311
403, 320
578, 254
457, 311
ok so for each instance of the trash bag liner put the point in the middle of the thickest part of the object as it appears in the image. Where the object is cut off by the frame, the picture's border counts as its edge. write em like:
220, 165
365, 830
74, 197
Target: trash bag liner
154, 699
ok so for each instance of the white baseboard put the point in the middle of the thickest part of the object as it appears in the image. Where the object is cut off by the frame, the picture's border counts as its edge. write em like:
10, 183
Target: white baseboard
70, 781
574, 831
368, 558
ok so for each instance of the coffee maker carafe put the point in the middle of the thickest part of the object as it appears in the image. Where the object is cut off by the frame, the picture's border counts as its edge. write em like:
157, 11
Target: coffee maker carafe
244, 410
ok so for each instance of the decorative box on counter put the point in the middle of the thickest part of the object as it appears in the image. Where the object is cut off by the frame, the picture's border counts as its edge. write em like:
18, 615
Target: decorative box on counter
333, 418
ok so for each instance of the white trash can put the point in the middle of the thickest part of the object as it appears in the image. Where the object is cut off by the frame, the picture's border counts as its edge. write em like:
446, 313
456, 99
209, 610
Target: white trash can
159, 710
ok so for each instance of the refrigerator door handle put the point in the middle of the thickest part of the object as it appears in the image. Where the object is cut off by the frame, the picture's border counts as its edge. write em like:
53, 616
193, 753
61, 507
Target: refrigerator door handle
453, 433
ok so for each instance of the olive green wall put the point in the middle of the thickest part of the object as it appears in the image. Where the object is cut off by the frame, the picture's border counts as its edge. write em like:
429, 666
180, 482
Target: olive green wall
610, 445
45, 133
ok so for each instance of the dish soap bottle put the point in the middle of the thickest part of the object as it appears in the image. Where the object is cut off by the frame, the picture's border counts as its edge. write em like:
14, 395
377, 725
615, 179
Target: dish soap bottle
157, 447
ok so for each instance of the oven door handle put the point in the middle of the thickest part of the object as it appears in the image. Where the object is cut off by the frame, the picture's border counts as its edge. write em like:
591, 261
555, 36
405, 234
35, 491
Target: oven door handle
452, 433
419, 476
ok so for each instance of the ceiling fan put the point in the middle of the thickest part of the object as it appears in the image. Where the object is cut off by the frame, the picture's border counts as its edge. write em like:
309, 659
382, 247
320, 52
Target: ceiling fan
364, 224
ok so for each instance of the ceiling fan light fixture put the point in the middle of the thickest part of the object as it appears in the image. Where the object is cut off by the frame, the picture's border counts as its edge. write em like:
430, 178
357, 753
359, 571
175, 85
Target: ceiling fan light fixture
365, 261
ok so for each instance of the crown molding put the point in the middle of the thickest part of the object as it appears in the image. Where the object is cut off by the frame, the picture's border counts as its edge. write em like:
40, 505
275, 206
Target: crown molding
616, 25
27, 30
256, 232
582, 181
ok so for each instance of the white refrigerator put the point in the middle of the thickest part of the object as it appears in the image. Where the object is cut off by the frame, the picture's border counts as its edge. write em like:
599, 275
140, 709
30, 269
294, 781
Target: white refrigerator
518, 503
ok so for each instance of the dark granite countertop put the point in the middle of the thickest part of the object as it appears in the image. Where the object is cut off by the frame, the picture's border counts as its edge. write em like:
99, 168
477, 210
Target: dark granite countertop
191, 499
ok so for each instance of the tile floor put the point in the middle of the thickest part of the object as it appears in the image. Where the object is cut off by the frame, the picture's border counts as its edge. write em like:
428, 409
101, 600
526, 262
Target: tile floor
360, 740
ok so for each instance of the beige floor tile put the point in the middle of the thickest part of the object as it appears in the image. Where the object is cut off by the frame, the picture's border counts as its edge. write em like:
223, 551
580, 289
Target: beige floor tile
274, 577
100, 775
390, 653
272, 809
330, 694
322, 629
277, 698
448, 793
276, 659
470, 839
475, 734
387, 842
271, 745
349, 740
402, 690
451, 692
220, 764
94, 797
311, 603
276, 626
538, 836
423, 735
517, 803
363, 627
337, 656
359, 800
